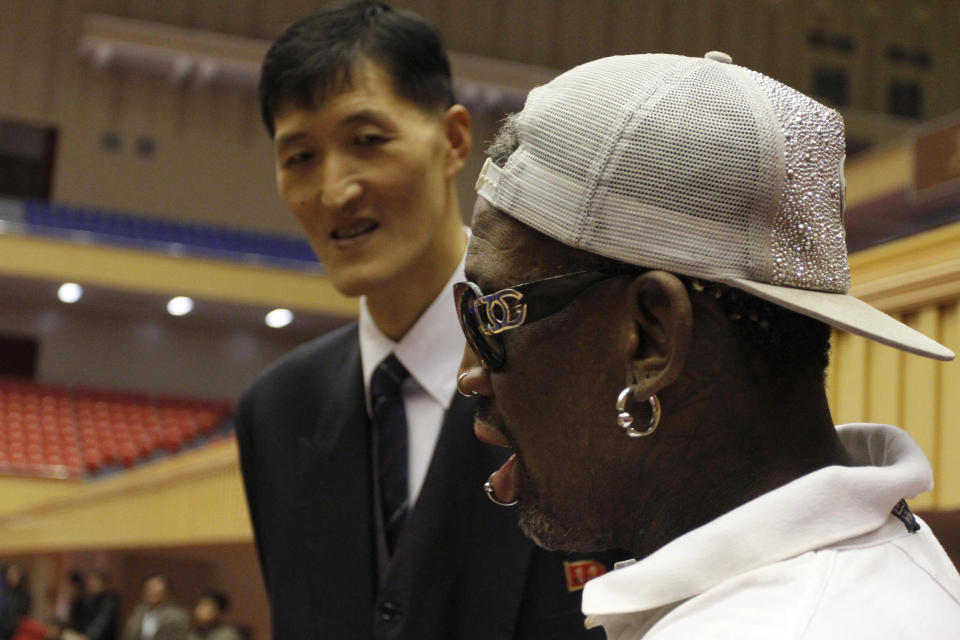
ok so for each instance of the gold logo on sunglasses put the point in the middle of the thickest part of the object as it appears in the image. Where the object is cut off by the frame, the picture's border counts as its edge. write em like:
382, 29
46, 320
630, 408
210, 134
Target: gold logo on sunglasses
500, 311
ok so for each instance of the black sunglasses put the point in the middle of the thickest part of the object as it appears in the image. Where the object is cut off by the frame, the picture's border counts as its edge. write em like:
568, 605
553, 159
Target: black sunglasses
484, 317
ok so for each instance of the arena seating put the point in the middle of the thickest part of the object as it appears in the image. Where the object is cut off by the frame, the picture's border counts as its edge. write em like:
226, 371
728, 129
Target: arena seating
61, 431
163, 234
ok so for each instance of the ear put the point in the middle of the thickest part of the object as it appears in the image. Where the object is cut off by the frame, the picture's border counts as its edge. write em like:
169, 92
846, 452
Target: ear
662, 327
456, 127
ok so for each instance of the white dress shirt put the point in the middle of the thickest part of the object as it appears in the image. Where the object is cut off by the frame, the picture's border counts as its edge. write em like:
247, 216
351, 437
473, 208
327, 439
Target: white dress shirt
431, 352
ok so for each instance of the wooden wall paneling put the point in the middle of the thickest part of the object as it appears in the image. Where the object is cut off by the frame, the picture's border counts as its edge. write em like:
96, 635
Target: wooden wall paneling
676, 28
222, 17
708, 25
944, 31
921, 395
529, 31
947, 471
432, 10
884, 384
634, 27
755, 33
791, 55
195, 497
47, 42
33, 44
113, 7
910, 31
9, 27
93, 108
154, 11
479, 31
67, 66
579, 34
849, 378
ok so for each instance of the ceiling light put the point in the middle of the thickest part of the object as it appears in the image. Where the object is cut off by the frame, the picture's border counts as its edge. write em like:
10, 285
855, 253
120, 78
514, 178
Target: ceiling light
180, 306
70, 292
279, 318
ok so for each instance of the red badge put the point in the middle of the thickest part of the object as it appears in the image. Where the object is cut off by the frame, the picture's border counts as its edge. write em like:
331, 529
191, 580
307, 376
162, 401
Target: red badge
579, 572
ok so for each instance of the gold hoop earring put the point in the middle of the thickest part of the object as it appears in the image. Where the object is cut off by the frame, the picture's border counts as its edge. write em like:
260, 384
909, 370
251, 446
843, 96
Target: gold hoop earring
625, 419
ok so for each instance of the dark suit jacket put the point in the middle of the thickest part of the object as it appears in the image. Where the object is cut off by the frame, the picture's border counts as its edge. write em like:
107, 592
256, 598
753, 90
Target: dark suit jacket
461, 570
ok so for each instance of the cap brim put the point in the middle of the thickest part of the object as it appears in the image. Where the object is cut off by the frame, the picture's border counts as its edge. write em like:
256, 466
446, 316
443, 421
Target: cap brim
850, 314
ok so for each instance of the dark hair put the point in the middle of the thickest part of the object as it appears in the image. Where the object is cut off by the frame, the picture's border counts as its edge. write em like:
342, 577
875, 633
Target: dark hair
218, 598
786, 340
103, 576
162, 577
318, 54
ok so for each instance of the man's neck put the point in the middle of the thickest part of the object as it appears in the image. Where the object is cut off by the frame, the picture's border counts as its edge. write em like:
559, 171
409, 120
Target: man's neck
397, 306
753, 439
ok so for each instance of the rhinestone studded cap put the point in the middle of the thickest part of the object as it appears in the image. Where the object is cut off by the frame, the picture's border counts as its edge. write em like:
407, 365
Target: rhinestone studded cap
695, 166
807, 238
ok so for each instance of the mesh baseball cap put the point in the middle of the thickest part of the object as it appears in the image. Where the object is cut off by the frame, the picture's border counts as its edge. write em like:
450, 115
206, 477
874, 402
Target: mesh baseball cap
699, 167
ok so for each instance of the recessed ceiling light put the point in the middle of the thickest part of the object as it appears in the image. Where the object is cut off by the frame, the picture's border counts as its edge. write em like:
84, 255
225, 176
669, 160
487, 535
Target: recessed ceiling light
180, 306
279, 318
70, 292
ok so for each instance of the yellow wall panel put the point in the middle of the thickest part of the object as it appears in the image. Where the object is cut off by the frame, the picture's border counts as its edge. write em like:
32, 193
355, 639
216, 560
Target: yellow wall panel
850, 369
947, 462
195, 497
921, 395
884, 384
19, 492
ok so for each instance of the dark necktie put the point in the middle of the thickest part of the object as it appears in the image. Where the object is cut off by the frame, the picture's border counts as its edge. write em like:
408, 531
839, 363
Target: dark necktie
390, 423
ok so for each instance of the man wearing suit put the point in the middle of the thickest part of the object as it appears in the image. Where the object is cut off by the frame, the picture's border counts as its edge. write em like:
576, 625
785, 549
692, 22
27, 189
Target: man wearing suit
157, 617
368, 141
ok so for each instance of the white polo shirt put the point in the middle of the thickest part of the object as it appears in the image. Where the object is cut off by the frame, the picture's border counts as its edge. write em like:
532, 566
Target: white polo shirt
819, 558
431, 352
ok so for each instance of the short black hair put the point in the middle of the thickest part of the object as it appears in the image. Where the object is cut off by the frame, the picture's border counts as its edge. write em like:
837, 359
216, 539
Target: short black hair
218, 598
318, 54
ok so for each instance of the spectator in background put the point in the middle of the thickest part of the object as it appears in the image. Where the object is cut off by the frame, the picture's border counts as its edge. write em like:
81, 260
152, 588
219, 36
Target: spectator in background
97, 613
157, 617
75, 594
207, 622
16, 600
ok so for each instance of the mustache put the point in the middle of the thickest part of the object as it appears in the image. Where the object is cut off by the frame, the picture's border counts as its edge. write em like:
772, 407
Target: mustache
485, 413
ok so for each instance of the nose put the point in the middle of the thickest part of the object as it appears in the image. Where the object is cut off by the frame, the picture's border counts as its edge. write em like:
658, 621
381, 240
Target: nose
339, 184
473, 377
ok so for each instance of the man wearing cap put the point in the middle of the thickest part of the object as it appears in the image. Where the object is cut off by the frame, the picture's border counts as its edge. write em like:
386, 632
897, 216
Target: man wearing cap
656, 261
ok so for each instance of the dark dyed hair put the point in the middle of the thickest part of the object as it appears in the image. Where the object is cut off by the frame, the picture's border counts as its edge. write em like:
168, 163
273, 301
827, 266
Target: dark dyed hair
319, 53
218, 598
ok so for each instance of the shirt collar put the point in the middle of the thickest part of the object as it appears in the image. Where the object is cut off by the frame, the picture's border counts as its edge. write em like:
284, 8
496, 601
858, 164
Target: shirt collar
820, 509
430, 350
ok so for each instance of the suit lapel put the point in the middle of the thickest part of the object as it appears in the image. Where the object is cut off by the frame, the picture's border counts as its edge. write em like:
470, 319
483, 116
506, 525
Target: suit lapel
458, 551
333, 468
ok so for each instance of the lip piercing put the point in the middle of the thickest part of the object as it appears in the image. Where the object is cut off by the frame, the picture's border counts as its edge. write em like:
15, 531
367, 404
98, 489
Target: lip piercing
492, 494
460, 389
